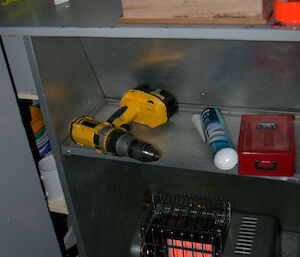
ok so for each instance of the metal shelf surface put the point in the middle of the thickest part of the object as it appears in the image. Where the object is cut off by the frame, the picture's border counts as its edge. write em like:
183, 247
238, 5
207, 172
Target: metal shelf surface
178, 141
99, 18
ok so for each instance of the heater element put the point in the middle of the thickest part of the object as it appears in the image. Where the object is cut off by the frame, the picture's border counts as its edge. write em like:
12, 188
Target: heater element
184, 226
177, 248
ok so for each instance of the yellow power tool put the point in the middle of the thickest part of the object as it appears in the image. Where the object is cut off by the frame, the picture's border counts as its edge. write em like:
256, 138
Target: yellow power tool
106, 138
145, 106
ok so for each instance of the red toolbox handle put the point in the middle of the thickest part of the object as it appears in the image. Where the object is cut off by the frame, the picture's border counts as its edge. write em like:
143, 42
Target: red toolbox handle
265, 165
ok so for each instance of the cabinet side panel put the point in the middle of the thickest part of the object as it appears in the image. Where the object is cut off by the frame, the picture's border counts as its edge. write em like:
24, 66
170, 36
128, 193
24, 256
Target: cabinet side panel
26, 225
70, 85
19, 64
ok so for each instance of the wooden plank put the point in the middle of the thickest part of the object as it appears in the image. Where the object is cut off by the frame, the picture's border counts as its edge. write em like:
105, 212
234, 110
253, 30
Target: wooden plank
58, 206
193, 21
28, 96
197, 11
193, 9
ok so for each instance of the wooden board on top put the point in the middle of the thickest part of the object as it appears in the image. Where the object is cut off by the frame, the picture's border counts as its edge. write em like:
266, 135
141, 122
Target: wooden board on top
193, 21
197, 11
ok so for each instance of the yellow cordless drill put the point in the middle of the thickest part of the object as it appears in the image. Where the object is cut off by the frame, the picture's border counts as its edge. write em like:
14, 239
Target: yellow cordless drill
145, 106
104, 137
142, 105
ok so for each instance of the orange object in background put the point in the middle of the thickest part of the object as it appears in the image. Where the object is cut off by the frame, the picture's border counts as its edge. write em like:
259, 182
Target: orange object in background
35, 113
287, 12
37, 121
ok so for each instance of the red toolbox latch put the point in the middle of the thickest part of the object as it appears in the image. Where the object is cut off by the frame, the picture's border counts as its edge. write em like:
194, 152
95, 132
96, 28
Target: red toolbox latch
265, 165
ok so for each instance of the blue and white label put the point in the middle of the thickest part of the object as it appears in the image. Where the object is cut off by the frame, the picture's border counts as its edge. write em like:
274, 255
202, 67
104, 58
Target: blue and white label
214, 130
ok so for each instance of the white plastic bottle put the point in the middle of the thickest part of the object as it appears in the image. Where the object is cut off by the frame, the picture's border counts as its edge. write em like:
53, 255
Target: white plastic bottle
212, 129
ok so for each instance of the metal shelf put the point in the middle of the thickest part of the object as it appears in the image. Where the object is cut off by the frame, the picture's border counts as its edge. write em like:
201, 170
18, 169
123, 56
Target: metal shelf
99, 18
178, 141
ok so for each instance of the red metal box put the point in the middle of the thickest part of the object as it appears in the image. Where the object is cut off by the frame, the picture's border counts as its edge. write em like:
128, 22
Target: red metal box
266, 145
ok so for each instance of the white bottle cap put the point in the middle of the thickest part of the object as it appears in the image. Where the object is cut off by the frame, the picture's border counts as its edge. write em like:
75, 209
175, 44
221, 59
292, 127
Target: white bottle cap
226, 159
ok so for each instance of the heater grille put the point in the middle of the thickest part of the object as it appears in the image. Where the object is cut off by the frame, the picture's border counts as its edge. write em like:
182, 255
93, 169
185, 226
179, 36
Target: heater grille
184, 226
246, 236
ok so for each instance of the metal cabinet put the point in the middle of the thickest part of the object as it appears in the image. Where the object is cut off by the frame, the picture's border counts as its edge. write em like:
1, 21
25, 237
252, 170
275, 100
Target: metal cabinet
82, 60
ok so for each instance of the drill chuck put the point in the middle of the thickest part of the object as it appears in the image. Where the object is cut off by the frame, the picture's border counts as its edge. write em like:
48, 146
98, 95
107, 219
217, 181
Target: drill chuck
143, 151
130, 146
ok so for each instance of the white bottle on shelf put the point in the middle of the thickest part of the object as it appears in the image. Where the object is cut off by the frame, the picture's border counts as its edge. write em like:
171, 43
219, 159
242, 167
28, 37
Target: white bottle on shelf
212, 129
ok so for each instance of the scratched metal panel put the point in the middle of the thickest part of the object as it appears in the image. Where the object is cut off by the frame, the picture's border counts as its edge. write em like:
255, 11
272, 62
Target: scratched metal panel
107, 197
208, 72
70, 85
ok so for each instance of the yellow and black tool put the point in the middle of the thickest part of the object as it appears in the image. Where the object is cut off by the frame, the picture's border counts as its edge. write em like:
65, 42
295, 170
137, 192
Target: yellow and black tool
106, 138
145, 106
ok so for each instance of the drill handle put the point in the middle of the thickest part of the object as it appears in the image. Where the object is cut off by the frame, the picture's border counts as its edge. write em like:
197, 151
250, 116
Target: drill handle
122, 117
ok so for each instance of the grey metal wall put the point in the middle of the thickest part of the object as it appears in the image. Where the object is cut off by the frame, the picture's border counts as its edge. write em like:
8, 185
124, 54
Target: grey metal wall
208, 72
70, 87
26, 227
77, 73
107, 197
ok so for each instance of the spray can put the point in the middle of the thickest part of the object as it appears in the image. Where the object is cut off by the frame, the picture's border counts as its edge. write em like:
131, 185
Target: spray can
212, 129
